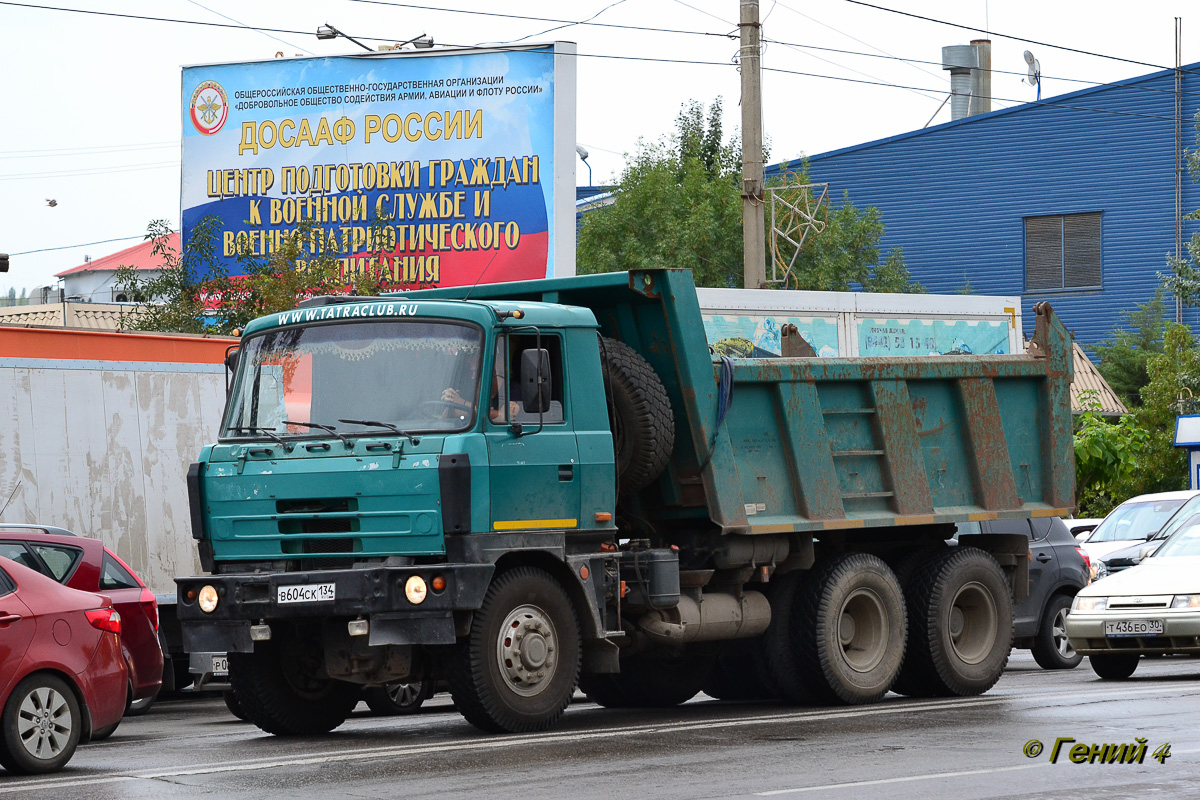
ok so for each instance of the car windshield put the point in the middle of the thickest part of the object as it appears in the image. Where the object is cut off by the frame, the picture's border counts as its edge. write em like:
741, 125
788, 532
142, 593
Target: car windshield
1184, 542
397, 372
1134, 520
1187, 514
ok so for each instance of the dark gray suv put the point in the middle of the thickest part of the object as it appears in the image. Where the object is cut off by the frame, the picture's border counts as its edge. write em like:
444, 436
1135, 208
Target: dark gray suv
1058, 569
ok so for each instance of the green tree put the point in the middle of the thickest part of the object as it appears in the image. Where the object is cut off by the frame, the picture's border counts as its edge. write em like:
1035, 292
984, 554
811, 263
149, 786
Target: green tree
1107, 458
1124, 356
194, 293
678, 205
1173, 388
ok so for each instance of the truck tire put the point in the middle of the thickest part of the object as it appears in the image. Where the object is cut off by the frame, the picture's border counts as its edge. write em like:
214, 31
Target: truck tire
786, 675
849, 629
1114, 666
1051, 647
959, 626
281, 689
642, 422
646, 682
234, 705
735, 675
516, 669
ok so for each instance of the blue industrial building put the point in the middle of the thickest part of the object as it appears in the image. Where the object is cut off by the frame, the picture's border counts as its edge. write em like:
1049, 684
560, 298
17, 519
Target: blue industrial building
1070, 200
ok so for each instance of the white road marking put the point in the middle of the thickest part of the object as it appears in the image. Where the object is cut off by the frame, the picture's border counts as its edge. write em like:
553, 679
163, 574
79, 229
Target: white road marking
907, 779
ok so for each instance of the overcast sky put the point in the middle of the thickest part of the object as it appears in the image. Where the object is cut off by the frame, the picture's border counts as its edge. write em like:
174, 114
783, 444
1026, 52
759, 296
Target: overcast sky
91, 110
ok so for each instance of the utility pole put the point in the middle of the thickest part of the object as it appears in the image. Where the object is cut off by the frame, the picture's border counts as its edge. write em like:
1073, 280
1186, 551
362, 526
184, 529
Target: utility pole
754, 259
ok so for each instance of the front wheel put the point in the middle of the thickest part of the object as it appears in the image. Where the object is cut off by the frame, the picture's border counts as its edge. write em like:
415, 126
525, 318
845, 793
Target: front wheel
516, 669
1051, 647
282, 688
41, 726
1114, 666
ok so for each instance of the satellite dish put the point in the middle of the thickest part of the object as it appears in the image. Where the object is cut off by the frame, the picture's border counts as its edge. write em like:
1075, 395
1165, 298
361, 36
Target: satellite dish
1034, 75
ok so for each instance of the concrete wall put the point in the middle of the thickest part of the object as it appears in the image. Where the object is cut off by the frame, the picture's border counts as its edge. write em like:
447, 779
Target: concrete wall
102, 449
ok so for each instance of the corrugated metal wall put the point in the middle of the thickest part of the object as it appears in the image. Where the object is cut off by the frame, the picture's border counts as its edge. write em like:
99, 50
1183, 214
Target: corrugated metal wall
955, 196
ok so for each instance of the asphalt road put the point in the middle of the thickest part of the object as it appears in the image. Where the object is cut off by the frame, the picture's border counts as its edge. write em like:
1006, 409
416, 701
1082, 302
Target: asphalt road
899, 748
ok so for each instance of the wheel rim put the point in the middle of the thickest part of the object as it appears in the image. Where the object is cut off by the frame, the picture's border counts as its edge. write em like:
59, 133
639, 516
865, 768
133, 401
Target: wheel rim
404, 694
1059, 631
44, 723
527, 650
973, 623
863, 630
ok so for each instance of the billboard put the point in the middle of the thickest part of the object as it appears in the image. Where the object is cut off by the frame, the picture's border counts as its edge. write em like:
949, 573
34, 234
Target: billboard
444, 167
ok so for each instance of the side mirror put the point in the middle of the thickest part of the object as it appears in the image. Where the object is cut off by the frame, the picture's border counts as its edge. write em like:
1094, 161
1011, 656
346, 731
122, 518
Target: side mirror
231, 361
535, 380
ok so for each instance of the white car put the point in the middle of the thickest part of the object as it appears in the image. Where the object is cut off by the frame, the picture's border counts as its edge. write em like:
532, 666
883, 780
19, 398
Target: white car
1135, 520
1150, 609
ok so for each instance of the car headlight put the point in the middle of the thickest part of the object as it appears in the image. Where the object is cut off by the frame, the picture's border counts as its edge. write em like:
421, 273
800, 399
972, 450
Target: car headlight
1186, 601
207, 598
1089, 603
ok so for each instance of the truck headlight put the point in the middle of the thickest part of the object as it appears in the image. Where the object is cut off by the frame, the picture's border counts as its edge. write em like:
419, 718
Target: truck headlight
208, 598
1186, 601
1089, 603
416, 590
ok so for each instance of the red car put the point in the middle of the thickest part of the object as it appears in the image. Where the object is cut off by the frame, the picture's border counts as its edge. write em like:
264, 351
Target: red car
61, 671
87, 565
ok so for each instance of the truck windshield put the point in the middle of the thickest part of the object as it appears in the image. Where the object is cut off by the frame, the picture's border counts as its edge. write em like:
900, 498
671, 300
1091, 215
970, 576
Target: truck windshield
412, 374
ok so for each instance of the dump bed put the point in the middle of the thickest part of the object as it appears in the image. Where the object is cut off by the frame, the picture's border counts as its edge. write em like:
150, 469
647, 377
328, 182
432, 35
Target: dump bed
812, 444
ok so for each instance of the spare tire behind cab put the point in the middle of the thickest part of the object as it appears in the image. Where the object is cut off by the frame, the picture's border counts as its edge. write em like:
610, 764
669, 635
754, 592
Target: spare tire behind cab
642, 422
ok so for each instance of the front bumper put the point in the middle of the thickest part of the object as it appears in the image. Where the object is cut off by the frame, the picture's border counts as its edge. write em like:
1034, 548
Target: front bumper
1181, 632
372, 593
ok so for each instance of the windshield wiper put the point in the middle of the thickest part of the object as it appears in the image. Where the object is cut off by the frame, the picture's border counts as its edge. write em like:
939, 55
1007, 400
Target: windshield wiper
287, 446
327, 428
376, 424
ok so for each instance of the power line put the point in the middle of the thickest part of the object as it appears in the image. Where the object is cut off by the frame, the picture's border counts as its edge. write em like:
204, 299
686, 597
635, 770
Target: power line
85, 244
1014, 38
71, 152
77, 173
799, 46
565, 22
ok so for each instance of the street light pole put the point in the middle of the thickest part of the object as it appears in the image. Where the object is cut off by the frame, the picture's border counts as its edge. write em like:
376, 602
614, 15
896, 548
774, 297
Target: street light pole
754, 259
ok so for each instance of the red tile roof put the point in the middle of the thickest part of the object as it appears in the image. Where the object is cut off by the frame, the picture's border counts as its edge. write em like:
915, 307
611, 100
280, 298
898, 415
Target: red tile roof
140, 256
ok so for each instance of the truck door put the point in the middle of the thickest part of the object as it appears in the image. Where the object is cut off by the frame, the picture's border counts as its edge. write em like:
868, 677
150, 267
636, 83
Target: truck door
534, 474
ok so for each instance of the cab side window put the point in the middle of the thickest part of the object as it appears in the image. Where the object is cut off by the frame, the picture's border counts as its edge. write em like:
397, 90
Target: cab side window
505, 406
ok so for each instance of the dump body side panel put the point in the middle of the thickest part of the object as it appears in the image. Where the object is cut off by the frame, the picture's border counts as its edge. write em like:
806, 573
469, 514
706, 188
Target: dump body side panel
816, 444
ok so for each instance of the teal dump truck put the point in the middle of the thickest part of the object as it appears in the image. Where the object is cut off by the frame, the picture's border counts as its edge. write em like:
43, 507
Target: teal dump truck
527, 488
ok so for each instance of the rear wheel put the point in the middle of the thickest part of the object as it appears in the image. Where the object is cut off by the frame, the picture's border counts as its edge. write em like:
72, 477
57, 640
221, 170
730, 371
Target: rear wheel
516, 670
849, 629
41, 726
283, 690
234, 705
959, 625
647, 682
1051, 647
780, 655
1114, 666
